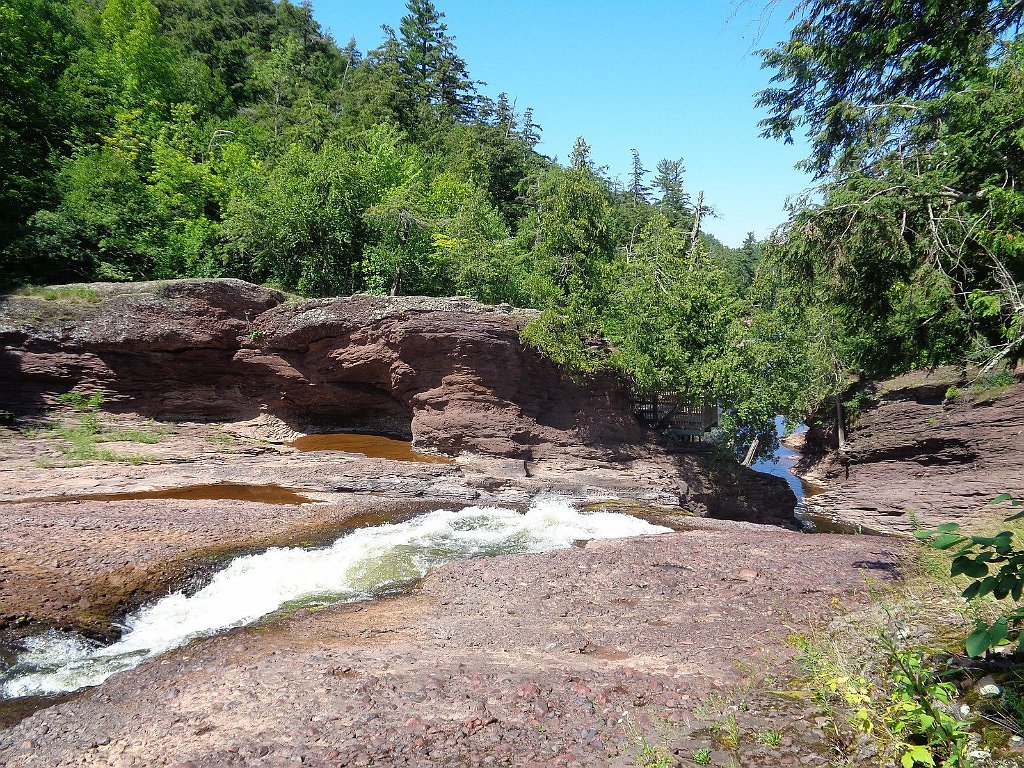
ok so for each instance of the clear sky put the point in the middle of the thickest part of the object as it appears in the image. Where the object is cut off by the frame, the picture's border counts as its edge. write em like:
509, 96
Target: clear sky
672, 78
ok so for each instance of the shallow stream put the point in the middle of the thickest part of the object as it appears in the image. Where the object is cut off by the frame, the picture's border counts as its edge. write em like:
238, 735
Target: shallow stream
363, 564
781, 464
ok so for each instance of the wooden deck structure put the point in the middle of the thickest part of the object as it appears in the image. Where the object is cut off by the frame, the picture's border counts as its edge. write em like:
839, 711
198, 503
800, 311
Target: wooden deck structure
665, 412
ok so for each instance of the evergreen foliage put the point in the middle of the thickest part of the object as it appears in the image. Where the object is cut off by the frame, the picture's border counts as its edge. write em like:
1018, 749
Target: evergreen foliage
149, 139
909, 252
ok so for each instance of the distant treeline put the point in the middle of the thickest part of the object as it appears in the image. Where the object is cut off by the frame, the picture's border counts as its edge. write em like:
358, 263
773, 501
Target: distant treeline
235, 137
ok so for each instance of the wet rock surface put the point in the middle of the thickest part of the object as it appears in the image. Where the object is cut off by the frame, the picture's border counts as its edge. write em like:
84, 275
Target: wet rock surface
916, 457
566, 658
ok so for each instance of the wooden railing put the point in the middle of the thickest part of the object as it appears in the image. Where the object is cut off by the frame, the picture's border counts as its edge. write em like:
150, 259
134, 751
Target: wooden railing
664, 411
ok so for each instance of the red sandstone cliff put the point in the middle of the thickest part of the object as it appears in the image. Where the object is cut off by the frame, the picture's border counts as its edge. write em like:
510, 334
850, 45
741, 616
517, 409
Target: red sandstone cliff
915, 455
450, 373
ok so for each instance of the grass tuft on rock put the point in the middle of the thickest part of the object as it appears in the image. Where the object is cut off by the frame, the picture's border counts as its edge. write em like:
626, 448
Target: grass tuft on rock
80, 437
79, 293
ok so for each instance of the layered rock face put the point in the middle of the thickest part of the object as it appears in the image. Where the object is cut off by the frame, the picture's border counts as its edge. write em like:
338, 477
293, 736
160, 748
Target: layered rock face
449, 373
917, 457
166, 350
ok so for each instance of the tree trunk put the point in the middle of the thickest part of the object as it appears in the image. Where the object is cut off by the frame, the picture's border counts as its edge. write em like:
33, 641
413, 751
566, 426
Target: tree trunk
840, 424
698, 213
752, 452
396, 282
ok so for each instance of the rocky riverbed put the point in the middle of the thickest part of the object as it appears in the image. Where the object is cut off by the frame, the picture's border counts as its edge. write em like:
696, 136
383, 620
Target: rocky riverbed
73, 561
571, 657
590, 655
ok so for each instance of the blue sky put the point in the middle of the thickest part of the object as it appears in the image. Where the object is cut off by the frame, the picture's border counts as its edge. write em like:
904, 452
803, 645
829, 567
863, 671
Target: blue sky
671, 78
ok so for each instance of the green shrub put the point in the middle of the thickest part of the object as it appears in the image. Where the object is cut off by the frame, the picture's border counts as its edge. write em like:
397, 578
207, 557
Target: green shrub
82, 438
770, 738
918, 712
995, 566
989, 387
132, 436
87, 409
857, 401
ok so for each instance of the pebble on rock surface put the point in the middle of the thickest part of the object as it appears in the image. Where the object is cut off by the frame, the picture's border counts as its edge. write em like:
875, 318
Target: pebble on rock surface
987, 687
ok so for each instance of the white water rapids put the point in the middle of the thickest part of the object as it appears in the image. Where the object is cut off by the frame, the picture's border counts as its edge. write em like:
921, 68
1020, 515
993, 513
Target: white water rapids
358, 566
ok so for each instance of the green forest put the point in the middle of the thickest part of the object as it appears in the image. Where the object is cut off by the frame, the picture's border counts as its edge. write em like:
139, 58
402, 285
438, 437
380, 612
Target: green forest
235, 138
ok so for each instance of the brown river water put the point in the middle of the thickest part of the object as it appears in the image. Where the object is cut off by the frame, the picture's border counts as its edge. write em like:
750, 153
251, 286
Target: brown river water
374, 446
263, 494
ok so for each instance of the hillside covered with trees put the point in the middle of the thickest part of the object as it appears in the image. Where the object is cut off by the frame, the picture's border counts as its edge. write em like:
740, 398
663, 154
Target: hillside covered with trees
236, 138
151, 139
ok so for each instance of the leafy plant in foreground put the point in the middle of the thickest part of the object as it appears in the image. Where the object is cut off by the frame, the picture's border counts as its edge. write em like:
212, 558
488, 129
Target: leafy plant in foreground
995, 565
918, 712
905, 706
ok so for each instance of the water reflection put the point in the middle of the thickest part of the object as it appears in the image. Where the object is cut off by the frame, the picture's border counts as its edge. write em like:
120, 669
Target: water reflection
373, 446
781, 464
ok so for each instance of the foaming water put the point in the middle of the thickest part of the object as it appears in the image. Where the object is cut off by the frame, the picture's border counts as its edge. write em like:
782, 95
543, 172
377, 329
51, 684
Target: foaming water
363, 564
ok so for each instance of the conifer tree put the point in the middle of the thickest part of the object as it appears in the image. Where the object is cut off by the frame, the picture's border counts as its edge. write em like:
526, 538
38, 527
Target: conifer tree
675, 201
638, 190
580, 158
530, 131
505, 114
430, 65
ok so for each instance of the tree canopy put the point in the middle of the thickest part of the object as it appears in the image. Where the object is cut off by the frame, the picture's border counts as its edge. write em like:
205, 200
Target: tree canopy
908, 253
852, 70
